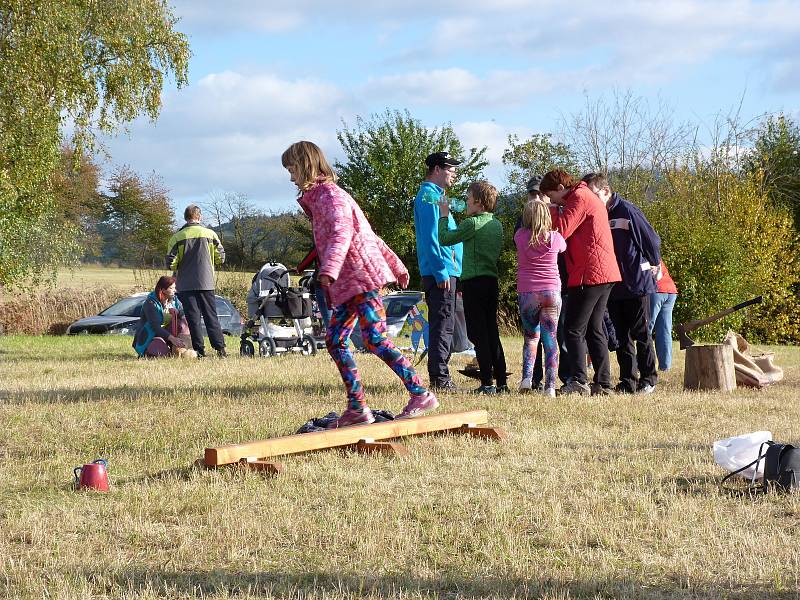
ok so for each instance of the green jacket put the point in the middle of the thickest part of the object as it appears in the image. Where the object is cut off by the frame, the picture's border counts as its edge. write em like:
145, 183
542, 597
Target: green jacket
193, 253
482, 236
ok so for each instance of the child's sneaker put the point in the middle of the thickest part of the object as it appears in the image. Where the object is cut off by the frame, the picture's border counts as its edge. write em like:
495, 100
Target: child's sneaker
488, 390
353, 417
525, 385
549, 392
419, 405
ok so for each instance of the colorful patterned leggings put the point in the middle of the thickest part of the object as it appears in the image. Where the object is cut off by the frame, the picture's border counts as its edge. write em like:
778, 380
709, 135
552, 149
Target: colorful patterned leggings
368, 308
539, 312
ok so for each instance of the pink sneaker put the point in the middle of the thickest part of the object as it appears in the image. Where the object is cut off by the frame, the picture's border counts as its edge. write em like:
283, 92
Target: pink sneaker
353, 417
419, 405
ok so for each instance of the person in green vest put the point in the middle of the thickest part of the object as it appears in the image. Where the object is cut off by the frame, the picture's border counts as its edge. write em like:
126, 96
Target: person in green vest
482, 236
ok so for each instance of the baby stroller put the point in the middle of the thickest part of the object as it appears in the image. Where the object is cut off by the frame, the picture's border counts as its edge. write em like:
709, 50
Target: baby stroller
279, 315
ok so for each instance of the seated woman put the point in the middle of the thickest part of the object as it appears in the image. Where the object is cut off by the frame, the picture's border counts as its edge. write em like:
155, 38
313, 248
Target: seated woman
160, 310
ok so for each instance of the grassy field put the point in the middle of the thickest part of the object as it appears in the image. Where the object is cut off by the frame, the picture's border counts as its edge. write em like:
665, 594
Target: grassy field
589, 498
123, 277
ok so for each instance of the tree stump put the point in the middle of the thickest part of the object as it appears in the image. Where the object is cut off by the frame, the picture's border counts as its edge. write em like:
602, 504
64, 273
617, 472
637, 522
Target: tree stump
710, 367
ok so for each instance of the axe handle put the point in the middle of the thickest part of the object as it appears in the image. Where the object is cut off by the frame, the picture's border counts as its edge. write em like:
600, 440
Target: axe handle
692, 325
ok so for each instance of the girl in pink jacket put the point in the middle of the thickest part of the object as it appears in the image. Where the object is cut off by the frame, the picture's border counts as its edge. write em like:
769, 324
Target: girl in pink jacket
354, 265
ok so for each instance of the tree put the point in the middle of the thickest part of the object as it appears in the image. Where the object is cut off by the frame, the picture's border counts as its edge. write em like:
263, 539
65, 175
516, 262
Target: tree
535, 156
137, 220
252, 237
774, 162
70, 64
627, 138
384, 166
77, 201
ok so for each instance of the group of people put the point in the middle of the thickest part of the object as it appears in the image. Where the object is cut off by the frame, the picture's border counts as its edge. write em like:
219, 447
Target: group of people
584, 254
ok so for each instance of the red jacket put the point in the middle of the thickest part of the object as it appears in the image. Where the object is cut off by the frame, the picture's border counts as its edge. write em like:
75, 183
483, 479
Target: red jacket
583, 222
665, 284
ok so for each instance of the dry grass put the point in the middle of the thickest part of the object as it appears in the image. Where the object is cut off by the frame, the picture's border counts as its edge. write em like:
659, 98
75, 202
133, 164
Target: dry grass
590, 498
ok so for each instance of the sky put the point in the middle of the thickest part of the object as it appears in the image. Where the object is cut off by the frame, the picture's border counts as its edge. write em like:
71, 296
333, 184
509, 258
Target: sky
265, 74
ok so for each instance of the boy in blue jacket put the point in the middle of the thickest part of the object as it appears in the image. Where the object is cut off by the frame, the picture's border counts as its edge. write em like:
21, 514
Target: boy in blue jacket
439, 266
638, 250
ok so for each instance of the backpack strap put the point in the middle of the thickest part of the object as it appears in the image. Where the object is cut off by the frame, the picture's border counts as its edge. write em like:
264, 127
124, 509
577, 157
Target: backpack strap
752, 487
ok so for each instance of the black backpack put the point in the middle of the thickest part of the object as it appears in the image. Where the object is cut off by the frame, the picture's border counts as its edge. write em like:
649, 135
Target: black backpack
781, 468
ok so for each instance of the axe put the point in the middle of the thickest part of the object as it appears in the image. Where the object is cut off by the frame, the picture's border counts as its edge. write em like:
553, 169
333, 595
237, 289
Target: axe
684, 328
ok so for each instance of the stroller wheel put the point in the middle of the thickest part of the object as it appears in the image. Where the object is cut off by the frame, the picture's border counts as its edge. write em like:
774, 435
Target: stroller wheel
246, 348
308, 345
266, 347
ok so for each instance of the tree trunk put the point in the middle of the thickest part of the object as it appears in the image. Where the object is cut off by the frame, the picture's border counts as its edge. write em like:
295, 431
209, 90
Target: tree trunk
709, 367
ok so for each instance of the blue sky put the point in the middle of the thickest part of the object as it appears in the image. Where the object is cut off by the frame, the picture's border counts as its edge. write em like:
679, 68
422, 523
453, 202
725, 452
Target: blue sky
266, 74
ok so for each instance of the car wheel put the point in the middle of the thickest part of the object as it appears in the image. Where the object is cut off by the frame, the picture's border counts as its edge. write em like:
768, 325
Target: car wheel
308, 345
246, 348
266, 347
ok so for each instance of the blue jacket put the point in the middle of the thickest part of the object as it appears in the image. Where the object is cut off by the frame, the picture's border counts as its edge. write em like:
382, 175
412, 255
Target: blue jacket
151, 322
637, 247
435, 260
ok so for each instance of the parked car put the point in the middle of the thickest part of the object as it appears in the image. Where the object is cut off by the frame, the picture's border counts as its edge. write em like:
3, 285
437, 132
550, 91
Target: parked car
122, 318
396, 305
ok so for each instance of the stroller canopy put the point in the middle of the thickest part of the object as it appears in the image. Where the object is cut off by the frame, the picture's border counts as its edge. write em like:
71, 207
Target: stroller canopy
269, 277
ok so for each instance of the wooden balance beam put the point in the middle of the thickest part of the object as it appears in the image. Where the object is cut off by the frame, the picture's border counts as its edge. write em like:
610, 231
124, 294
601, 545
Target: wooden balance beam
361, 437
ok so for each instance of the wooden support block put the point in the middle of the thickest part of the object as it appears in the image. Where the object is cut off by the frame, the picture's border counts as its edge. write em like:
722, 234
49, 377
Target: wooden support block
490, 433
265, 466
370, 446
346, 436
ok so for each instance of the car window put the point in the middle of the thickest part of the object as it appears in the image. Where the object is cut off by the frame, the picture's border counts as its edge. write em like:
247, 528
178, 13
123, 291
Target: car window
223, 310
127, 307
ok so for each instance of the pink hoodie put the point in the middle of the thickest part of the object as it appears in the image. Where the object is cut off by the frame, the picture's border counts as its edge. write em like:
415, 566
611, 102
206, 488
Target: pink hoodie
349, 251
537, 270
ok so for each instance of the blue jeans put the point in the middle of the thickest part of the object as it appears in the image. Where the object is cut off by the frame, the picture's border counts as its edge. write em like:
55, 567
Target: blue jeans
661, 306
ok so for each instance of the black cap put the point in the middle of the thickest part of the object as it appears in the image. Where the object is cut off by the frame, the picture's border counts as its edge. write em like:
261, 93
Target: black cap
533, 184
441, 159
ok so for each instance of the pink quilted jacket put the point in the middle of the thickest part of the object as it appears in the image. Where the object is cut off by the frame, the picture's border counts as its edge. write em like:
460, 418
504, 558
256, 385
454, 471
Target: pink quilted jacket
583, 221
349, 251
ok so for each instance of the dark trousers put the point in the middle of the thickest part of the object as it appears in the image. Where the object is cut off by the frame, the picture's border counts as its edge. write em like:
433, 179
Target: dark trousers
480, 309
635, 354
584, 331
199, 306
441, 306
563, 362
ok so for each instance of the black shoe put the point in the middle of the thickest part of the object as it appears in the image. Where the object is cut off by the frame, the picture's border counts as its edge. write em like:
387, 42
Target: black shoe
622, 388
599, 390
489, 390
447, 386
502, 389
222, 354
201, 353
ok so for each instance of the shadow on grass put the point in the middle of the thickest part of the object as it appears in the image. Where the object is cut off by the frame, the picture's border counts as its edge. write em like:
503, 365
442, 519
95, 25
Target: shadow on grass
135, 393
347, 585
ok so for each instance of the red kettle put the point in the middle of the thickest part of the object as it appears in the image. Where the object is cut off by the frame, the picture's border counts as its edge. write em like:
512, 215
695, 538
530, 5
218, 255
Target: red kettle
93, 476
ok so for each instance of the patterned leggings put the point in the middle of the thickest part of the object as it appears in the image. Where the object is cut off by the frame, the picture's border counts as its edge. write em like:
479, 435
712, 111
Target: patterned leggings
539, 312
368, 308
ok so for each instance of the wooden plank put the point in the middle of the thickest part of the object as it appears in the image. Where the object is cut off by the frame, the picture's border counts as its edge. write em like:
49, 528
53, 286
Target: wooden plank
490, 433
265, 466
370, 446
346, 436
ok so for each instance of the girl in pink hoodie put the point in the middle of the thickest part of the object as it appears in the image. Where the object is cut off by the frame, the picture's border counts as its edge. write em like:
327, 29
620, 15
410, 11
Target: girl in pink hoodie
539, 290
354, 265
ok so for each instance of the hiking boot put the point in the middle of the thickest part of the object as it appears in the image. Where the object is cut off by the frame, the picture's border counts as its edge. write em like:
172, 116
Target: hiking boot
489, 390
599, 390
419, 405
502, 389
575, 388
525, 385
353, 417
646, 389
622, 388
549, 392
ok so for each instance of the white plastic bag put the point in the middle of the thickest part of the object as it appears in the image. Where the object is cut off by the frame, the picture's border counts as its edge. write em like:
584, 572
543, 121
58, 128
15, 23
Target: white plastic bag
733, 453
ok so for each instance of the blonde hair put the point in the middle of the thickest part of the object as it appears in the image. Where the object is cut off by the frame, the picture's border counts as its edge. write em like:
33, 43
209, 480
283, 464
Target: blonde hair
536, 217
309, 164
485, 193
